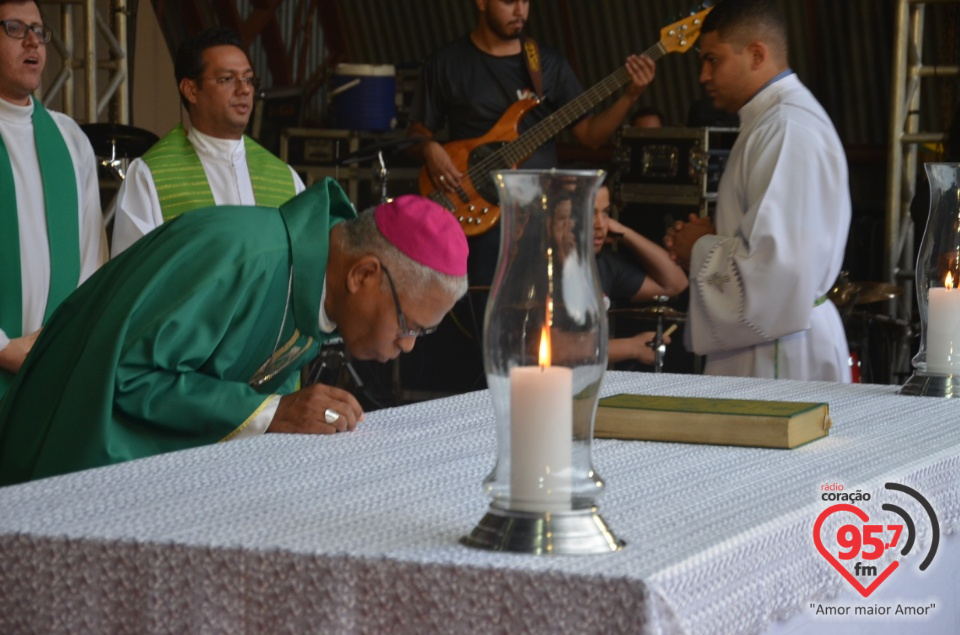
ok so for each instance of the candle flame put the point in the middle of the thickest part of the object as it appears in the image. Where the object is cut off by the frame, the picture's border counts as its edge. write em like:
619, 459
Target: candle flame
948, 280
545, 347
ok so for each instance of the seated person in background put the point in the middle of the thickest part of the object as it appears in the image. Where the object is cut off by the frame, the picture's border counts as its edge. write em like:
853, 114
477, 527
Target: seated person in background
51, 224
213, 163
623, 282
196, 333
647, 117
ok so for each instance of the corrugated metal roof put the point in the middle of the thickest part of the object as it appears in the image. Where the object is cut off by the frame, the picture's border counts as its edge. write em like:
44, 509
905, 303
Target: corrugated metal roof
840, 48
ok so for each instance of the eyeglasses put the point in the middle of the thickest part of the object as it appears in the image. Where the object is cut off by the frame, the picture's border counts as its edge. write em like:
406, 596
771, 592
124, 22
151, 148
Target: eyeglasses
404, 330
18, 30
231, 81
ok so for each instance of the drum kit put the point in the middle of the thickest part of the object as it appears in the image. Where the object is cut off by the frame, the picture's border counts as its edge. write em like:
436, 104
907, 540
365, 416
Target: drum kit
866, 330
847, 294
879, 344
661, 313
115, 145
375, 152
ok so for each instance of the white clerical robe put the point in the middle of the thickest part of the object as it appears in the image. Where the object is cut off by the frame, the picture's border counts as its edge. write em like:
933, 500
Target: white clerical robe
783, 214
225, 163
16, 127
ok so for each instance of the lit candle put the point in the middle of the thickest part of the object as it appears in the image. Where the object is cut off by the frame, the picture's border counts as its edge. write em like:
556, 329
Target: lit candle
943, 328
541, 434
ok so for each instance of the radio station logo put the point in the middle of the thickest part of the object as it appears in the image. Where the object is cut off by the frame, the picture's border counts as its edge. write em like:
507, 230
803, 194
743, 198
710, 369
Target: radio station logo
860, 543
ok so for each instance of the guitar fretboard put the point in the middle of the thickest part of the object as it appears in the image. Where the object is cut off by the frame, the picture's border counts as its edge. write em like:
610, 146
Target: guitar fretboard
525, 145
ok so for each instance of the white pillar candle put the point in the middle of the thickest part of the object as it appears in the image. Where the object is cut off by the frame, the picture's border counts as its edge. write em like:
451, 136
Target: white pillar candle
943, 330
541, 438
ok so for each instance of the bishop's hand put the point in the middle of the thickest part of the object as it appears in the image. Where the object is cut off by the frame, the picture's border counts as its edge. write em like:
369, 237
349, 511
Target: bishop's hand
317, 409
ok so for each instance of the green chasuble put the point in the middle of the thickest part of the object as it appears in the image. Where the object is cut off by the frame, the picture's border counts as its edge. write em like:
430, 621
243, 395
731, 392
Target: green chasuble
182, 184
157, 351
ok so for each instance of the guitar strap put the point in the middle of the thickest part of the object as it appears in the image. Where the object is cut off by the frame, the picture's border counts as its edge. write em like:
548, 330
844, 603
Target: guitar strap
531, 61
531, 58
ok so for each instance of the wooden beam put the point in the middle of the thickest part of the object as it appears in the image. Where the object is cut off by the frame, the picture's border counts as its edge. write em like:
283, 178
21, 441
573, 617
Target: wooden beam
273, 45
332, 25
228, 15
258, 20
187, 13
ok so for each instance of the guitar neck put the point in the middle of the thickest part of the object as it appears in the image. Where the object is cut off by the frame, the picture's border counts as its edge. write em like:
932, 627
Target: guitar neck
524, 145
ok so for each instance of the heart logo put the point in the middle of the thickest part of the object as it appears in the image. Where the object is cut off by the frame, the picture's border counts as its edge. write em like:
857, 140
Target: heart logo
829, 557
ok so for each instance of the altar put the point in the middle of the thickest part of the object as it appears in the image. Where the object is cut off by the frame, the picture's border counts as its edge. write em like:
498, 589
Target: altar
359, 532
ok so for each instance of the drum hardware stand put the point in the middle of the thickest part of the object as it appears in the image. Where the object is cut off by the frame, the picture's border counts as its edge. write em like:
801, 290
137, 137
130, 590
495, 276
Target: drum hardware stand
115, 166
333, 367
901, 353
113, 163
329, 363
659, 348
899, 344
376, 152
121, 143
382, 174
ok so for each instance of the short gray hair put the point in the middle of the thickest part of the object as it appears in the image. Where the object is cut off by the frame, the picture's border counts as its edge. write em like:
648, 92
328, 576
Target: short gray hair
361, 236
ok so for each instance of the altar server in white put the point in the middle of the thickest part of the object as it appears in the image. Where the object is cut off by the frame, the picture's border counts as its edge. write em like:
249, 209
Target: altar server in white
212, 164
51, 224
758, 286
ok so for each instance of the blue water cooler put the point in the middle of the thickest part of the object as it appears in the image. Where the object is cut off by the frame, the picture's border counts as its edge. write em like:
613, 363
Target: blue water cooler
365, 97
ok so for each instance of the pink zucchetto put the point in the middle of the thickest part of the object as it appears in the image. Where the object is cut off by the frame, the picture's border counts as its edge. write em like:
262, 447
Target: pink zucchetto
425, 232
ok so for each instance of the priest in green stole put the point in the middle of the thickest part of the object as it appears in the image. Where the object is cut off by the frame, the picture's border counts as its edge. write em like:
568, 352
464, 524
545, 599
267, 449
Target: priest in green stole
195, 334
51, 224
212, 164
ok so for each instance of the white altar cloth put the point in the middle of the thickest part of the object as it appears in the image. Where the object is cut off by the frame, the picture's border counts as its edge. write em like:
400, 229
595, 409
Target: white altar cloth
359, 532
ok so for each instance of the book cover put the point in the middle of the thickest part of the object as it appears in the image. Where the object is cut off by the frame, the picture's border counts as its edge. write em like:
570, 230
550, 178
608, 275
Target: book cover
747, 422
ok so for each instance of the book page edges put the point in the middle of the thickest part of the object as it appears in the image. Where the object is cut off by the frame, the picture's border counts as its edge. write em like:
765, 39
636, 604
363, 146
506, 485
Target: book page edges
709, 405
711, 428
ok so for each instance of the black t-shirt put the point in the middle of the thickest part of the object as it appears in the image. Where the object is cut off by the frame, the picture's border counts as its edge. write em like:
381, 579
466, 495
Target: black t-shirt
620, 279
467, 91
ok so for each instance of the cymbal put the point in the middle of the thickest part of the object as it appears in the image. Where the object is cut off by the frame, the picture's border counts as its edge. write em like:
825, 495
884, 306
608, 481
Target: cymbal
130, 142
851, 293
369, 152
650, 311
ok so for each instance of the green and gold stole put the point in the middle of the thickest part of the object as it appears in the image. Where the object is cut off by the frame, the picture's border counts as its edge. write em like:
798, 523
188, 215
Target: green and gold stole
182, 184
63, 226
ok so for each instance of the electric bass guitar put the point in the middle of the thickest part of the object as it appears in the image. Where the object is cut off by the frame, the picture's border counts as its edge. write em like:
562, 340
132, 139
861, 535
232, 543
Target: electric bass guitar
503, 147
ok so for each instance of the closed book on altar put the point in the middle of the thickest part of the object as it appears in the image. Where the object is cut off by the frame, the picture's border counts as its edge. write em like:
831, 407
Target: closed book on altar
765, 424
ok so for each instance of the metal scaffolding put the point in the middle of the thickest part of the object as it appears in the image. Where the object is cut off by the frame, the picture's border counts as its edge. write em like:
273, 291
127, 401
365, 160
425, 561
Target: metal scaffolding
905, 137
105, 82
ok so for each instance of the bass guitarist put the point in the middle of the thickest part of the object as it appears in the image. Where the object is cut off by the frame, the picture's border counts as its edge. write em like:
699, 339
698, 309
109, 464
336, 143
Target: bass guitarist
470, 83
467, 86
